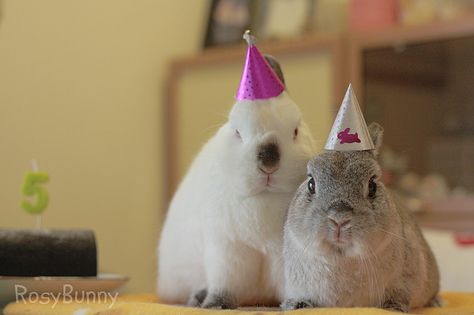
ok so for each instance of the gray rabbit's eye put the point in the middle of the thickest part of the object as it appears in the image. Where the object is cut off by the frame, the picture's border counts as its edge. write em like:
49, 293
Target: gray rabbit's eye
372, 187
237, 133
312, 185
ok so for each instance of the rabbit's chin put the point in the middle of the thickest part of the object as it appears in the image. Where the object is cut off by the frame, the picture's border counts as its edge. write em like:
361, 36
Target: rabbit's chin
257, 183
346, 246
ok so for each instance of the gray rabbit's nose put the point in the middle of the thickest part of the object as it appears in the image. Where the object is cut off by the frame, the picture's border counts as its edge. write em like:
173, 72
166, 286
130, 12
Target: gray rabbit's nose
340, 207
339, 222
340, 225
339, 215
268, 156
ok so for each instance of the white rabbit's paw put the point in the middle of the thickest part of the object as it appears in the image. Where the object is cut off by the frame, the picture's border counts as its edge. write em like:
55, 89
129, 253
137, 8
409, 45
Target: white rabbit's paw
221, 300
294, 304
197, 298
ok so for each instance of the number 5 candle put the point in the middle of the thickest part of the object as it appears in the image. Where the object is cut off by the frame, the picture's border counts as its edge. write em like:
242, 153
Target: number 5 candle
32, 188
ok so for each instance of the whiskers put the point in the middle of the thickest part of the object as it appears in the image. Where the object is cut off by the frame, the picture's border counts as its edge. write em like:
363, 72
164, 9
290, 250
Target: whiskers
370, 265
395, 235
308, 249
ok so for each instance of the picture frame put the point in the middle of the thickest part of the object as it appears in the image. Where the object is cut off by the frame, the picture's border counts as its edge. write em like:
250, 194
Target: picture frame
228, 20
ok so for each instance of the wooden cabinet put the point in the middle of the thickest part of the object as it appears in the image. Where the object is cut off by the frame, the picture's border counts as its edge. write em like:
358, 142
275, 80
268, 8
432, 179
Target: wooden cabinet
417, 82
411, 79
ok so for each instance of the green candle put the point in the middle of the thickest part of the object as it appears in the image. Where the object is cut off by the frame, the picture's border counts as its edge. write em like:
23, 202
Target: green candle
32, 187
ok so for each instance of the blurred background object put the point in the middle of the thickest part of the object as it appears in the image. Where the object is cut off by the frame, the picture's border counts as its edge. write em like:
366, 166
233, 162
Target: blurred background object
276, 22
115, 97
366, 15
330, 16
228, 19
414, 12
280, 19
425, 87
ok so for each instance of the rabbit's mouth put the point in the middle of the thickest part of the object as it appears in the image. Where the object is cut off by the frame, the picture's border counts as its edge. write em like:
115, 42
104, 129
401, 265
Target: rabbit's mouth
340, 248
340, 236
342, 242
275, 182
267, 180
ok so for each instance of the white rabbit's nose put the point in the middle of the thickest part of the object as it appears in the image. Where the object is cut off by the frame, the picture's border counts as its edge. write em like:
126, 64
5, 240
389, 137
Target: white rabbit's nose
268, 156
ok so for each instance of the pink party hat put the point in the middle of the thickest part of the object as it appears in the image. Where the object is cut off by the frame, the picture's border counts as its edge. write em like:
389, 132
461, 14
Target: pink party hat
258, 79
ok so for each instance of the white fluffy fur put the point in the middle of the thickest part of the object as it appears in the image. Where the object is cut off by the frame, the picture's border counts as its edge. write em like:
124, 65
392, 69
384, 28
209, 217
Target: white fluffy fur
224, 227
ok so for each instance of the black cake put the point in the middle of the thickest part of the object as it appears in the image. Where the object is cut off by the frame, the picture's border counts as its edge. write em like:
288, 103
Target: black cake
29, 253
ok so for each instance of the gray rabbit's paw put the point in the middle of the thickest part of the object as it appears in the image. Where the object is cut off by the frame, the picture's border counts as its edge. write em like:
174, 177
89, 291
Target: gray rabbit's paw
435, 302
197, 298
396, 306
294, 304
222, 300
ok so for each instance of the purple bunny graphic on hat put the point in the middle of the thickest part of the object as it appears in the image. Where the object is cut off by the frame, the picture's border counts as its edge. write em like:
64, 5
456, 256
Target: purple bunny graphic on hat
346, 137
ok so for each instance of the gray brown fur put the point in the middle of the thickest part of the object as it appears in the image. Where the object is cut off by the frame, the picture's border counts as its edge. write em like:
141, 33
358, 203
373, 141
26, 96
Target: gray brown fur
276, 67
382, 259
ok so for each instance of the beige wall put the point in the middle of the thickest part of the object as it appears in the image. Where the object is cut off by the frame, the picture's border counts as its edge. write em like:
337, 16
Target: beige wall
80, 91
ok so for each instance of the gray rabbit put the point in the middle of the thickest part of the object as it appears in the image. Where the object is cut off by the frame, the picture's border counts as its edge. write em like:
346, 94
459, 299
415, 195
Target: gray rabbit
347, 244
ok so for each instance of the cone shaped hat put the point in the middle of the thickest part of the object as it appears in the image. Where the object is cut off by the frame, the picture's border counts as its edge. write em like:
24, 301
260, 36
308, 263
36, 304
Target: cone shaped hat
258, 81
349, 131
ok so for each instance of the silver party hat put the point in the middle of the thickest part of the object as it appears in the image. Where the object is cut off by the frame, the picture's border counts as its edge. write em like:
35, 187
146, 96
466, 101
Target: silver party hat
349, 131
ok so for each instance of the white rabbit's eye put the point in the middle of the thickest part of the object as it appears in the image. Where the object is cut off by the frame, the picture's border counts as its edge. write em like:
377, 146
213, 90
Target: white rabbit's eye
311, 185
372, 187
295, 133
237, 133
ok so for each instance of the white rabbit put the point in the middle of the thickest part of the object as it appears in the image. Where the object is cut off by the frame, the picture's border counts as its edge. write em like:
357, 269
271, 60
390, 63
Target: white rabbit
221, 244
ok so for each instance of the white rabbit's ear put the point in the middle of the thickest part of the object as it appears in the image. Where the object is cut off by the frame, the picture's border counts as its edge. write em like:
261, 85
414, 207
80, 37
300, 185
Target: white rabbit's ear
376, 133
276, 67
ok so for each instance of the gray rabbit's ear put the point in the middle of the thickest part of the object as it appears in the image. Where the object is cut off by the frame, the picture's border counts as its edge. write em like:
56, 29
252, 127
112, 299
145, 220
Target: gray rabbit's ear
276, 67
376, 133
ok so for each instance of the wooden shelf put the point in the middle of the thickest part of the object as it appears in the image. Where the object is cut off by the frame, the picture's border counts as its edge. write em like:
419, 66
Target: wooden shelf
216, 56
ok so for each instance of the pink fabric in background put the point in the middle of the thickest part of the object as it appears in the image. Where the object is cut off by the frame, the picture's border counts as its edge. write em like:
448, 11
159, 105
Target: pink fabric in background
366, 15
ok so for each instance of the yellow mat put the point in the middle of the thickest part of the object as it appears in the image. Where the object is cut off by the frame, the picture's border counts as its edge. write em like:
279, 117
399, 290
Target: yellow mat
455, 303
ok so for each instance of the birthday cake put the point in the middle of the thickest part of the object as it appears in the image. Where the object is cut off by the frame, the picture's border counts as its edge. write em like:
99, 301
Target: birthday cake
45, 252
30, 253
